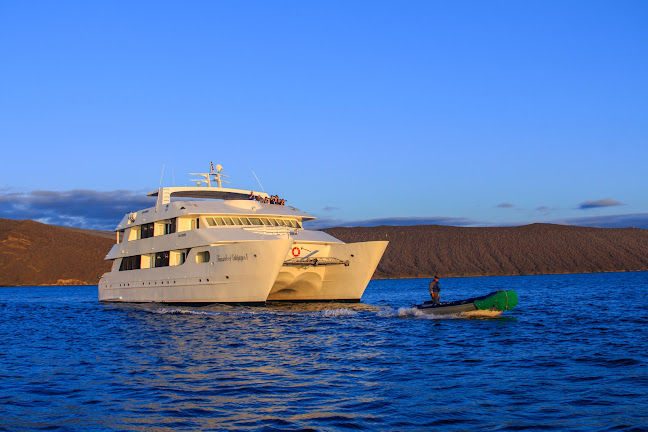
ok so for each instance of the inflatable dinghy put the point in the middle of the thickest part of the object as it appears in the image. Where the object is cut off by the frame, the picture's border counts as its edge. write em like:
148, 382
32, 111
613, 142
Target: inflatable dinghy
489, 305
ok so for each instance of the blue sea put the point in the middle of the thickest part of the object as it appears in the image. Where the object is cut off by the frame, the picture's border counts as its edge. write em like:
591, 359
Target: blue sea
573, 356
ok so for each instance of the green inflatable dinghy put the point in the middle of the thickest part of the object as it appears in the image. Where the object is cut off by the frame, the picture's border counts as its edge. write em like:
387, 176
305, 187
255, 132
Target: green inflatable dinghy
492, 304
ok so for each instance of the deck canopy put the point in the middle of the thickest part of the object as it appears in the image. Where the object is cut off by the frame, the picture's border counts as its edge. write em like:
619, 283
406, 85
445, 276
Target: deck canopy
203, 193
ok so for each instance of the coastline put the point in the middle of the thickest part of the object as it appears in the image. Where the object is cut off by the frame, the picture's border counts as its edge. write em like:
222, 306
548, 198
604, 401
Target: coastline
450, 276
36, 254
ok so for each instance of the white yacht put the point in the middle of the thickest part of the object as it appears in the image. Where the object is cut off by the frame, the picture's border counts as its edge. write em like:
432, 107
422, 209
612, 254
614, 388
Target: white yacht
227, 245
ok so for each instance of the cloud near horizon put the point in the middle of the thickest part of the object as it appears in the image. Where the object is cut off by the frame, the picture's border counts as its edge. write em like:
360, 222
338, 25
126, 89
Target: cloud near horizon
103, 211
330, 208
605, 202
637, 220
505, 205
76, 208
395, 221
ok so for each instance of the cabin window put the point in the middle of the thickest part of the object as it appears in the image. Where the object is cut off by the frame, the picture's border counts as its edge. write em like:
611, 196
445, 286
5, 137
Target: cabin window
245, 221
170, 226
148, 261
177, 257
237, 221
210, 221
130, 263
162, 259
195, 223
147, 230
281, 222
135, 233
256, 221
265, 221
228, 221
202, 257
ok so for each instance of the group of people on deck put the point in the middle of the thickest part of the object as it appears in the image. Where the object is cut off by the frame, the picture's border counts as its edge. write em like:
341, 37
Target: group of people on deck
274, 199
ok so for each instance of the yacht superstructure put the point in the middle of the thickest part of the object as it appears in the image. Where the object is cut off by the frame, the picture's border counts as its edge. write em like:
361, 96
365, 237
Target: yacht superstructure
230, 246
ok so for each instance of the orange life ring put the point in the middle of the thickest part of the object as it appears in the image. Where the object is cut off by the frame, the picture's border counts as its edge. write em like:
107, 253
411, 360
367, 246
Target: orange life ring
296, 251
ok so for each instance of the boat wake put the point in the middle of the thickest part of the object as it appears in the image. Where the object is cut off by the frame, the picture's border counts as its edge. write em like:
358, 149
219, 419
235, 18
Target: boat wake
412, 312
383, 312
339, 312
171, 311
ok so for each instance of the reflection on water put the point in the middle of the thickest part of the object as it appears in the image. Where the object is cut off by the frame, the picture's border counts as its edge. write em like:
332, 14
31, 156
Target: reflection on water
278, 361
563, 359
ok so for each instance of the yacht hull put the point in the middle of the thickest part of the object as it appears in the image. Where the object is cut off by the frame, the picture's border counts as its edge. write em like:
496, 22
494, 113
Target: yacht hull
311, 282
241, 272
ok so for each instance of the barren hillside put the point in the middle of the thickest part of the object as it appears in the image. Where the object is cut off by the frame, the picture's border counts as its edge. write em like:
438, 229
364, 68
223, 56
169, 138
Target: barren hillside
422, 251
32, 253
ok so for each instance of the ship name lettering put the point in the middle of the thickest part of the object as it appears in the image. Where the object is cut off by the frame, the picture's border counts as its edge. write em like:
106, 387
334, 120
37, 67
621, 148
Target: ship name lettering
231, 257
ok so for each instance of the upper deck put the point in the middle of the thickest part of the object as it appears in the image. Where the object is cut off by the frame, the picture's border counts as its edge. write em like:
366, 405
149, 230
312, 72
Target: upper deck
208, 197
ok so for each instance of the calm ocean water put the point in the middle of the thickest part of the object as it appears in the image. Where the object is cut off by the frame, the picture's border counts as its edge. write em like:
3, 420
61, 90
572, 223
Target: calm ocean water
572, 356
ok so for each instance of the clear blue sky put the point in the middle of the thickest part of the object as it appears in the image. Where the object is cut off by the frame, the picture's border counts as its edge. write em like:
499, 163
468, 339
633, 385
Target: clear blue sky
472, 112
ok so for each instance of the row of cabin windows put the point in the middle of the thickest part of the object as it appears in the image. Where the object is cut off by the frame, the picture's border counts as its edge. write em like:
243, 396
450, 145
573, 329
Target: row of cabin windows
171, 225
235, 220
160, 259
148, 230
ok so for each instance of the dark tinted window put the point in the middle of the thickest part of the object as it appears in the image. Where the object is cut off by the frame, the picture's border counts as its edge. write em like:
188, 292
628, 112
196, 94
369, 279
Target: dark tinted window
130, 263
148, 230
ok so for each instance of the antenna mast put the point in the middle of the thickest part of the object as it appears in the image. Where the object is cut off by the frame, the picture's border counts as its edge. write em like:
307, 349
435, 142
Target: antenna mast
161, 176
257, 179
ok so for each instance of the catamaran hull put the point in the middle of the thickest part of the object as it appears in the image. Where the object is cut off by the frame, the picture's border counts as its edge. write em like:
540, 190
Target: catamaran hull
345, 281
235, 273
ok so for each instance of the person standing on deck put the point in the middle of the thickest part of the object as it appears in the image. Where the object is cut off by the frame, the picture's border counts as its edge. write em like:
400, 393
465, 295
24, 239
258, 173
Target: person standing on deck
434, 289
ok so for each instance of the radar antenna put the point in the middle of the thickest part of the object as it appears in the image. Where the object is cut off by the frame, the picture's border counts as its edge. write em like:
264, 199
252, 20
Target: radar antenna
211, 176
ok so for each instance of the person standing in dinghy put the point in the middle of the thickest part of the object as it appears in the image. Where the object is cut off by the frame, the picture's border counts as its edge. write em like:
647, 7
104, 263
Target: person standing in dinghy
434, 289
